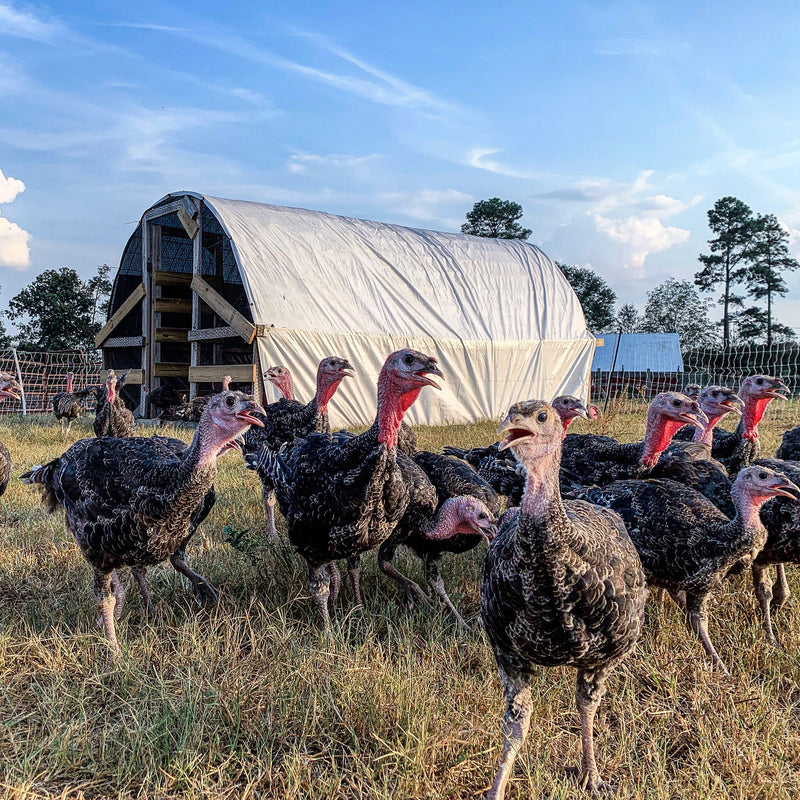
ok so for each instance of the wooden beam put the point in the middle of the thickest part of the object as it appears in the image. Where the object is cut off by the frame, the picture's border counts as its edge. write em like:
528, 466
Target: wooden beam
167, 369
162, 211
172, 305
240, 373
599, 342
163, 278
172, 335
127, 306
135, 376
223, 309
124, 341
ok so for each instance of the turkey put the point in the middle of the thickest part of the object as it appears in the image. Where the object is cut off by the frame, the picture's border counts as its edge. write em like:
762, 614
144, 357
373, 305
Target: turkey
166, 399
781, 518
686, 543
500, 469
287, 419
562, 585
436, 480
67, 405
281, 379
135, 501
112, 417
8, 388
707, 476
741, 447
588, 459
692, 390
789, 449
343, 495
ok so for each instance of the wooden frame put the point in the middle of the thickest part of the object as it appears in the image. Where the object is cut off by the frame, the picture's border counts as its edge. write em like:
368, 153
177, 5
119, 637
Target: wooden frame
214, 373
135, 376
130, 303
223, 309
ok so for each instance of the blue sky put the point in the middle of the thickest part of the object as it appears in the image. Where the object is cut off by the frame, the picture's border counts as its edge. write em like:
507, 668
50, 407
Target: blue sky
615, 125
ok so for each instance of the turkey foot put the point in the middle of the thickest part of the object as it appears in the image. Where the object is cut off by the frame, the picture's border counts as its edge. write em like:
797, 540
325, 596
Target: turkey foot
204, 592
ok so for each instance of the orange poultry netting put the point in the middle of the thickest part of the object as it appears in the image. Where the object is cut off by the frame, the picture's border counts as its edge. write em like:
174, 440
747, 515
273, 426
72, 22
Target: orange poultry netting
43, 374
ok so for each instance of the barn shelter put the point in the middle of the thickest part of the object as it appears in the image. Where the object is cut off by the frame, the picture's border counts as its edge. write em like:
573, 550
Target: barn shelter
208, 286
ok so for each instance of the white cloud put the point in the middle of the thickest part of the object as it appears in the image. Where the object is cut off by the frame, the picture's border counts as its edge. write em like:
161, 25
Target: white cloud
300, 162
477, 157
10, 188
27, 26
14, 250
439, 207
641, 235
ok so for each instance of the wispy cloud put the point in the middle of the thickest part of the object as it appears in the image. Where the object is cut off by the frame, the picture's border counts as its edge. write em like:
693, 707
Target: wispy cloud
14, 250
300, 162
442, 206
479, 157
26, 25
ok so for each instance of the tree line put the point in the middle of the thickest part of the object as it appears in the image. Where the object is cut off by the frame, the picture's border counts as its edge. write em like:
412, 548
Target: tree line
747, 252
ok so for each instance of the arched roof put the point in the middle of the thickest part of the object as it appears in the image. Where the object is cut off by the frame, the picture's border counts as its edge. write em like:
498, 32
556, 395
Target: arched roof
309, 270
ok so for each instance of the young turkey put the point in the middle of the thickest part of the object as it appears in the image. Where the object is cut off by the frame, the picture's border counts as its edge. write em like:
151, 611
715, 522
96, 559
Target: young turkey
136, 502
113, 418
500, 469
589, 460
281, 379
344, 495
67, 404
287, 419
685, 542
9, 388
562, 585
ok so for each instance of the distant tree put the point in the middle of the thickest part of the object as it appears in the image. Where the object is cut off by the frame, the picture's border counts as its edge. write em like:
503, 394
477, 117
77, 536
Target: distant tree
57, 311
628, 319
731, 221
676, 307
100, 287
769, 257
752, 324
595, 295
496, 219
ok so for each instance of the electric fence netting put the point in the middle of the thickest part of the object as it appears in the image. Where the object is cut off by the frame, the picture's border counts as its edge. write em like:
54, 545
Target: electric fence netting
624, 390
43, 374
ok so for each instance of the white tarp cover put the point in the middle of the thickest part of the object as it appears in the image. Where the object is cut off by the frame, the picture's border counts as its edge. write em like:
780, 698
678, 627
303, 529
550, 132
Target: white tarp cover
498, 314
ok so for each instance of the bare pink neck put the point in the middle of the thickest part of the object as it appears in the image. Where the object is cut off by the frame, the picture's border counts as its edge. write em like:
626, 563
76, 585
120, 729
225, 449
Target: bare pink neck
112, 393
747, 507
69, 383
447, 522
754, 409
326, 388
542, 497
658, 435
392, 406
705, 435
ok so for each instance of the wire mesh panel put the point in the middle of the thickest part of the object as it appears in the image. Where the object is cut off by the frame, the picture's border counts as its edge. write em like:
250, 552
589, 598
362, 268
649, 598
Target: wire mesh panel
630, 390
43, 374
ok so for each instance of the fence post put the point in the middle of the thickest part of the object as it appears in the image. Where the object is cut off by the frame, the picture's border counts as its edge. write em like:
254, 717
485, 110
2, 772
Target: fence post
19, 380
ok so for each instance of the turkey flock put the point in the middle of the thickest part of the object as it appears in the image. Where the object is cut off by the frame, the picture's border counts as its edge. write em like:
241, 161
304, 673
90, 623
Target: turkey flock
577, 526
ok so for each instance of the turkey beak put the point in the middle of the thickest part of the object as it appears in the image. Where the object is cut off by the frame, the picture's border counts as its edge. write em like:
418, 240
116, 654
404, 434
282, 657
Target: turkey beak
488, 533
733, 403
431, 369
245, 416
594, 412
783, 487
696, 418
12, 390
347, 370
515, 430
778, 386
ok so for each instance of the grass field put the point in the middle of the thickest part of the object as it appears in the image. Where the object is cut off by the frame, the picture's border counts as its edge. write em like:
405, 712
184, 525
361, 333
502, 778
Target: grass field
249, 700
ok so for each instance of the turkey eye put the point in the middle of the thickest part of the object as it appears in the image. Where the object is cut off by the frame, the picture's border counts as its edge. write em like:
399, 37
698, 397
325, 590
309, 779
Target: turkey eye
229, 402
762, 476
541, 416
676, 403
716, 394
408, 360
481, 516
760, 381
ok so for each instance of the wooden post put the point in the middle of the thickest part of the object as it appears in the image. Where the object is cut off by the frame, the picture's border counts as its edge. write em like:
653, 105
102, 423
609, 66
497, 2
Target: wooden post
197, 269
648, 384
153, 292
145, 317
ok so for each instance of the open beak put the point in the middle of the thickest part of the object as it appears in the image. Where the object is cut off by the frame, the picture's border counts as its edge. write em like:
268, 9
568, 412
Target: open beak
246, 415
488, 533
514, 432
594, 412
785, 488
733, 403
696, 418
776, 390
430, 370
13, 390
347, 370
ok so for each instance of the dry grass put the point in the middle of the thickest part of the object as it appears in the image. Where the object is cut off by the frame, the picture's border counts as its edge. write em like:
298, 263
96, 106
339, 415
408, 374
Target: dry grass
249, 700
